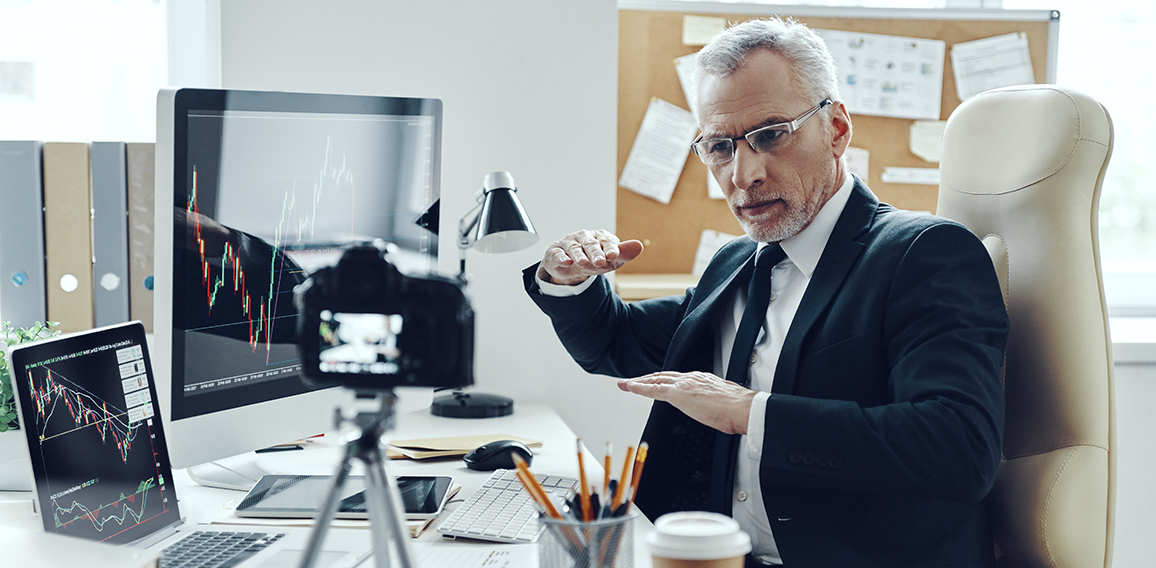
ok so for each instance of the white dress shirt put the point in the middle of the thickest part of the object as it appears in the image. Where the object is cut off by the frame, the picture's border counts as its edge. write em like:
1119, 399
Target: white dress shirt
789, 281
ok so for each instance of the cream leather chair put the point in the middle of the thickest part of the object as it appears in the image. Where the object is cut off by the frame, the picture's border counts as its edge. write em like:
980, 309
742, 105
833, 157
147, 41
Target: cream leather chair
1022, 168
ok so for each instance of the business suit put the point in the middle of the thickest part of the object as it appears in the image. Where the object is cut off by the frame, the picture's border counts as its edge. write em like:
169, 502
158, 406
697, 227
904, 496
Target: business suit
882, 433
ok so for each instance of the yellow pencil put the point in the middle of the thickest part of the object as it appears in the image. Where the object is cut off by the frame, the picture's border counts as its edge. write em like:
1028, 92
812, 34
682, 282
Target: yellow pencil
584, 489
621, 490
537, 493
639, 461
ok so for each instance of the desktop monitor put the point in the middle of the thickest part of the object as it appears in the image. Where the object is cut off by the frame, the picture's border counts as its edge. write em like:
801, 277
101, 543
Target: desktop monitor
253, 191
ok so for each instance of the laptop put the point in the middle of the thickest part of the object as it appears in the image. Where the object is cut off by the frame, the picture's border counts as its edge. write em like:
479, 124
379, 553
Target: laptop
88, 407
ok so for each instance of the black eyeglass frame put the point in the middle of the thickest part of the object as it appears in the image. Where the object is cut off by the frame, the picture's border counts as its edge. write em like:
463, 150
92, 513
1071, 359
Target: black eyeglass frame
700, 146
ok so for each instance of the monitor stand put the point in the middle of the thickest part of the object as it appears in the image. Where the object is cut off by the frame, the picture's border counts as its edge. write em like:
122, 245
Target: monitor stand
239, 473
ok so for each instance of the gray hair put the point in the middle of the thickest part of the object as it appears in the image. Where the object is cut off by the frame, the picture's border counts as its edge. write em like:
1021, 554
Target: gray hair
813, 67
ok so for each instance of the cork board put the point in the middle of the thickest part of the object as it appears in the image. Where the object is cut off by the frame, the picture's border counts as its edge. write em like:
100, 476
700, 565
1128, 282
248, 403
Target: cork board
650, 41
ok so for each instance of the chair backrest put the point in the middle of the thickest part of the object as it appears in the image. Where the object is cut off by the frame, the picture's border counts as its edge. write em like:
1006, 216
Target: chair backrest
1022, 168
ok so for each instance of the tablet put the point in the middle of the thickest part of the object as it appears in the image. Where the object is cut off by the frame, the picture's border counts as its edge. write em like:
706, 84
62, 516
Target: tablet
300, 496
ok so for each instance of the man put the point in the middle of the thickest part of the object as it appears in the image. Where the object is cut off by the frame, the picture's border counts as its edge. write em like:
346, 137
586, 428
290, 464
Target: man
871, 428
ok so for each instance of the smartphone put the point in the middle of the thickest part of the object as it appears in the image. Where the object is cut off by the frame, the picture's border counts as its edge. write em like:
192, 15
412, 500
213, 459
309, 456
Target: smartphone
301, 496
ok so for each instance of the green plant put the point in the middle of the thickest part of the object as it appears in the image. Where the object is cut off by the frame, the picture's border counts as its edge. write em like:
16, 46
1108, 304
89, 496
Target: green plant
15, 336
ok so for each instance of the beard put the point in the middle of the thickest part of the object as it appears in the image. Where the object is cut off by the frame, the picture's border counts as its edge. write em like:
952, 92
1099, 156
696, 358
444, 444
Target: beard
797, 216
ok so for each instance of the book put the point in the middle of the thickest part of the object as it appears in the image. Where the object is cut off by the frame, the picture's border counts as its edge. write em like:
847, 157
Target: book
109, 234
140, 167
68, 234
22, 271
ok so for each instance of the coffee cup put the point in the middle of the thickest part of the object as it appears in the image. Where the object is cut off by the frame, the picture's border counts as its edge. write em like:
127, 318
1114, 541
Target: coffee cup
696, 539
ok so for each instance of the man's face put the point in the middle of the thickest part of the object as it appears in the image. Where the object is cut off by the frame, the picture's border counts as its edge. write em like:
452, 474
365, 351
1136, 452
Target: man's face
775, 194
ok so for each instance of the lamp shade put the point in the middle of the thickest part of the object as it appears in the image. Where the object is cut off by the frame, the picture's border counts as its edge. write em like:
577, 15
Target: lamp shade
503, 225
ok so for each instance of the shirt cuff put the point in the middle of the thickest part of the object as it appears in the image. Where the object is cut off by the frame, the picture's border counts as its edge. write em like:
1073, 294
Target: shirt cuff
754, 437
559, 290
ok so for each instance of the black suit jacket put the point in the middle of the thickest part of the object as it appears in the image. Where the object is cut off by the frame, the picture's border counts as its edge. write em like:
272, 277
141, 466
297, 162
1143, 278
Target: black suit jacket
884, 426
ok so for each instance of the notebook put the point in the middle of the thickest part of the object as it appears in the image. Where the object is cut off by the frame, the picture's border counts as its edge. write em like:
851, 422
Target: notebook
89, 410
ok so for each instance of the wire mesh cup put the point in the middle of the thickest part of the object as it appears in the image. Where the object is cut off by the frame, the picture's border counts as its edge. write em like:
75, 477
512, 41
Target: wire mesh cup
569, 543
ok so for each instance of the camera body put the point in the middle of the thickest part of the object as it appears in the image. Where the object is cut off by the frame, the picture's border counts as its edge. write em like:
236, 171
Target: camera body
363, 324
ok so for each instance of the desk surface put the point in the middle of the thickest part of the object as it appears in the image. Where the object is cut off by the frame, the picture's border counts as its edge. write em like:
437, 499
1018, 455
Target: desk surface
556, 456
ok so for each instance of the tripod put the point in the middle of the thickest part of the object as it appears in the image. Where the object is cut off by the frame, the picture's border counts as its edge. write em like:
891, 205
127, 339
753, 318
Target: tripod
382, 497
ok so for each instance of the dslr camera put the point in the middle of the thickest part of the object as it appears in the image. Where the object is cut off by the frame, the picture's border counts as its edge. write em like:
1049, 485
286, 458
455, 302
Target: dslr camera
364, 325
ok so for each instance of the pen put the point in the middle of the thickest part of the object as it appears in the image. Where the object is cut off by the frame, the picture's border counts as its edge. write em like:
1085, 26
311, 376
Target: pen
583, 487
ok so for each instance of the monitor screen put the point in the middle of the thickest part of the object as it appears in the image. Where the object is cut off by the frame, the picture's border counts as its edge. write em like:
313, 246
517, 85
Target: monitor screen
265, 187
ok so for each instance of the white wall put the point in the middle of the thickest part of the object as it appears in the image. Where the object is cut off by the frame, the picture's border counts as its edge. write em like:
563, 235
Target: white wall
528, 86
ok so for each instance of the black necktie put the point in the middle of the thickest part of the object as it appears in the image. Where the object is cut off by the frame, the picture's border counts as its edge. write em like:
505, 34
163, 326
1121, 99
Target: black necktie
758, 298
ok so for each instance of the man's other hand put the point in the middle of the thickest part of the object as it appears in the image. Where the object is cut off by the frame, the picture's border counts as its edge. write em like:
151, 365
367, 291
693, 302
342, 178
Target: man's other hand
580, 255
715, 402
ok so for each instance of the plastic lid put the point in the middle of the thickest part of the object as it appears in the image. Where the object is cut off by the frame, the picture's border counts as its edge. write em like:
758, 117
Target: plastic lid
697, 535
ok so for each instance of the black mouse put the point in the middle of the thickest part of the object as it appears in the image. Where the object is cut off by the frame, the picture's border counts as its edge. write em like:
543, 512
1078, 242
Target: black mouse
497, 455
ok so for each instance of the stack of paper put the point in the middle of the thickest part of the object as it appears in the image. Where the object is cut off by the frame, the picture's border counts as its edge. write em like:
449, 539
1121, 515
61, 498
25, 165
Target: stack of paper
447, 447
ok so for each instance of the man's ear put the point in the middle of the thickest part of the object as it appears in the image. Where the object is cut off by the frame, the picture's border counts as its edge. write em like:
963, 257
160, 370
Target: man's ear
840, 129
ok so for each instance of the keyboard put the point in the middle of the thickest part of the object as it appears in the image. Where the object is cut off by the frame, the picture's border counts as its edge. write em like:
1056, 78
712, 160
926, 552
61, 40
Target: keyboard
502, 511
204, 549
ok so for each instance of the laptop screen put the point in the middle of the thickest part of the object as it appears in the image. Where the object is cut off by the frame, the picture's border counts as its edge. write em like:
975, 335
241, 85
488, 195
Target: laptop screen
88, 407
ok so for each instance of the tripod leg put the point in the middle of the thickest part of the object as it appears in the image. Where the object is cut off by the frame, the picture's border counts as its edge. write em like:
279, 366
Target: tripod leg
384, 503
327, 512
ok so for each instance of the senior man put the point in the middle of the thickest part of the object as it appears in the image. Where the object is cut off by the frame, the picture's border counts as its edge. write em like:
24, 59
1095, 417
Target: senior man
833, 381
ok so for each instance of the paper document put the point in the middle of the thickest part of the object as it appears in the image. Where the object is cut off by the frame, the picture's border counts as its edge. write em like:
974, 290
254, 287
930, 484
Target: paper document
660, 151
698, 30
926, 139
713, 189
884, 75
858, 161
916, 176
457, 556
708, 244
684, 66
419, 449
991, 63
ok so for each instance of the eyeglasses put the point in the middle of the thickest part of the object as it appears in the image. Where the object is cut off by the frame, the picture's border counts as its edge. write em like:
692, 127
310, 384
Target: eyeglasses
762, 140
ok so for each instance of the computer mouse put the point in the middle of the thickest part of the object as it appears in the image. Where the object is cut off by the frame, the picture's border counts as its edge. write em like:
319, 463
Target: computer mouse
497, 455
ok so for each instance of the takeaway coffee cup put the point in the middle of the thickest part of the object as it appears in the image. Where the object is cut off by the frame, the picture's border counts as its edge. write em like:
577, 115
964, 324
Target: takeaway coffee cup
697, 540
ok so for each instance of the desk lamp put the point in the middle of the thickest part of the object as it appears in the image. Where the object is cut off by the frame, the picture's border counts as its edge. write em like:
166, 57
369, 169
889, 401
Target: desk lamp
496, 224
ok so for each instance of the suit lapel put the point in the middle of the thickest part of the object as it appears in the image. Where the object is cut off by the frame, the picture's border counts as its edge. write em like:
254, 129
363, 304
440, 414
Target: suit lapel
734, 266
838, 257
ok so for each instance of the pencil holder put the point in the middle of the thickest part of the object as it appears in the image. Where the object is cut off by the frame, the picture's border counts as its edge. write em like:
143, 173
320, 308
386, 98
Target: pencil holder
606, 543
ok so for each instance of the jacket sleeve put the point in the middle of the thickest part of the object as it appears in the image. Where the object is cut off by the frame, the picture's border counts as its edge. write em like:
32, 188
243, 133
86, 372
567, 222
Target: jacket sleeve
940, 348
606, 335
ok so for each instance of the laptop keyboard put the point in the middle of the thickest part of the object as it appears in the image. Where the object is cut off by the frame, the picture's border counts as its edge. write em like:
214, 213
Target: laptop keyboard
502, 511
214, 549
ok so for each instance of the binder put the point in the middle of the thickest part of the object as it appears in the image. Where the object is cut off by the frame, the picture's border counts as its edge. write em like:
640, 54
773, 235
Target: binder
110, 280
22, 273
68, 234
140, 160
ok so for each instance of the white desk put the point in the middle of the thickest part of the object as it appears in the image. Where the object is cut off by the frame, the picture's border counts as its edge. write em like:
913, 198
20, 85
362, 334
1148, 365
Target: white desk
556, 456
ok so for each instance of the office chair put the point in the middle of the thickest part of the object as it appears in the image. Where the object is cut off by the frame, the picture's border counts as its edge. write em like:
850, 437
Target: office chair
1022, 168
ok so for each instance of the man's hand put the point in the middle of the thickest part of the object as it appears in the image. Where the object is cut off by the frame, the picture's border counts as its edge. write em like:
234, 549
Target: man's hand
718, 403
578, 256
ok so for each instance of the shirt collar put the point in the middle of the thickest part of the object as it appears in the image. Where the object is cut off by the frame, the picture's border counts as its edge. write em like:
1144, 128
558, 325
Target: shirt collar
805, 248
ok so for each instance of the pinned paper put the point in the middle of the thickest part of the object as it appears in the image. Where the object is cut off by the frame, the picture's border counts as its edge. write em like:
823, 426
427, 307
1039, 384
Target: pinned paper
660, 151
698, 30
708, 244
883, 75
858, 161
684, 67
926, 140
713, 189
991, 63
916, 176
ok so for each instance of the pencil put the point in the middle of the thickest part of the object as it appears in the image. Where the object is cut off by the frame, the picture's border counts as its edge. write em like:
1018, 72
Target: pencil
584, 489
606, 469
621, 490
639, 461
534, 488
